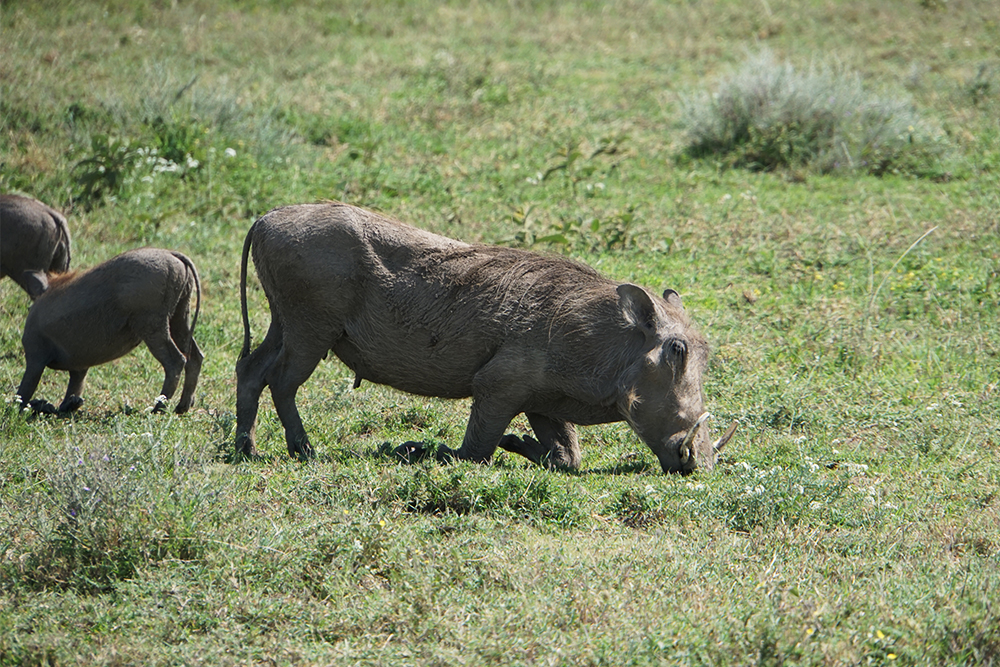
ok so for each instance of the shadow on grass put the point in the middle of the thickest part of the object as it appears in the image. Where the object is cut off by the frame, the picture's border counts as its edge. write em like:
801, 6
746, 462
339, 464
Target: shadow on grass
633, 468
390, 451
393, 452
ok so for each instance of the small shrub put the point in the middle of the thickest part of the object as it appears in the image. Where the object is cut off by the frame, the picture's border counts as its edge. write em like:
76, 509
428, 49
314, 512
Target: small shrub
584, 164
329, 129
581, 233
112, 164
354, 545
97, 517
770, 116
179, 142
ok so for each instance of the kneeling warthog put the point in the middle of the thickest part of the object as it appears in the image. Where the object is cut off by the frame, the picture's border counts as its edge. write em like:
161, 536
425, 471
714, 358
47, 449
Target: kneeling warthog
34, 241
91, 318
516, 331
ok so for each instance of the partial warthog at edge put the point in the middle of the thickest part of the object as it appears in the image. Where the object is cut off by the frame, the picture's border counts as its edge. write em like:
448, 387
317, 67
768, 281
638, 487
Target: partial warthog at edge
34, 241
516, 331
90, 318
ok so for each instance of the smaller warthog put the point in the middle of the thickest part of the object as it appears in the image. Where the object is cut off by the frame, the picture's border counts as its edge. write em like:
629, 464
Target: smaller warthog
34, 241
90, 318
517, 331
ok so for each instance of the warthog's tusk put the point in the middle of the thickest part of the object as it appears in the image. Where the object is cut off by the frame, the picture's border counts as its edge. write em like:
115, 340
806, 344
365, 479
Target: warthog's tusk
685, 448
721, 442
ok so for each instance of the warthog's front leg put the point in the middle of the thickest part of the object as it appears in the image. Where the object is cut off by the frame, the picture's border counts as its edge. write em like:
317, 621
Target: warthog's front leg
497, 399
557, 445
29, 381
487, 422
482, 436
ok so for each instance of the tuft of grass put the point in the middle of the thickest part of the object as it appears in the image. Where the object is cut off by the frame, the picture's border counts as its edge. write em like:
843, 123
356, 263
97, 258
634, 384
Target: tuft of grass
521, 493
763, 499
638, 509
769, 115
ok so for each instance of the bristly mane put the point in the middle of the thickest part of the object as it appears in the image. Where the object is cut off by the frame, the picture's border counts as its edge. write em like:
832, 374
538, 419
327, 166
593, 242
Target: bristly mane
57, 279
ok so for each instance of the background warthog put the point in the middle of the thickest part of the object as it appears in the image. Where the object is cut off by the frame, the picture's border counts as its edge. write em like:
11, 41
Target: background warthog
516, 331
34, 241
94, 317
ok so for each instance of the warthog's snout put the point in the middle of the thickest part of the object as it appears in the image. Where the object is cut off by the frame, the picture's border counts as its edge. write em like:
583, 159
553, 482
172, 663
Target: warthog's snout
692, 448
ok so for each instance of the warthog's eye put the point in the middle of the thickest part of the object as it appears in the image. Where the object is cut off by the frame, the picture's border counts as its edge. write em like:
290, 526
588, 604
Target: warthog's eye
678, 349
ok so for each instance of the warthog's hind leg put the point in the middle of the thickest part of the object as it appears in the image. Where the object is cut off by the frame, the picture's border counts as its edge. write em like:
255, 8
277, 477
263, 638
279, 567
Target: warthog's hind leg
163, 348
192, 369
183, 338
251, 378
29, 383
296, 360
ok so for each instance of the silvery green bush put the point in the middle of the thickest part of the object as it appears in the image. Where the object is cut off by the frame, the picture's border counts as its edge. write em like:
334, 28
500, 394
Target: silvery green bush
769, 115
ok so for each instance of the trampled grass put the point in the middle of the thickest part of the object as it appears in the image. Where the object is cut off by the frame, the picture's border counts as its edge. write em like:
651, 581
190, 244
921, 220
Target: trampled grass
853, 320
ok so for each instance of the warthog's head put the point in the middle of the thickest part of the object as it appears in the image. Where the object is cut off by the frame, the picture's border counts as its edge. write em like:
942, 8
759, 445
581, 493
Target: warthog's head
664, 403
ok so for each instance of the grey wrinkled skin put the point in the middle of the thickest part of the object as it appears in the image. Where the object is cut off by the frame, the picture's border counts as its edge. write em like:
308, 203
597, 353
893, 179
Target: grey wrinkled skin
90, 318
34, 241
517, 331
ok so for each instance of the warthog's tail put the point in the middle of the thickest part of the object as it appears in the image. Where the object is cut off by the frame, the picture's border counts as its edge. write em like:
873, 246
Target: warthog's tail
197, 287
243, 293
64, 251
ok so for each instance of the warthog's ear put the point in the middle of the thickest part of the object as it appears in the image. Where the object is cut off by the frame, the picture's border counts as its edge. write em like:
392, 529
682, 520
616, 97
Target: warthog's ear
673, 298
638, 308
35, 283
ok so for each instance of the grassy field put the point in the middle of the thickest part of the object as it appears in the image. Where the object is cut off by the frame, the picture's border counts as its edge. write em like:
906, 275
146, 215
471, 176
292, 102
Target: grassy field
854, 321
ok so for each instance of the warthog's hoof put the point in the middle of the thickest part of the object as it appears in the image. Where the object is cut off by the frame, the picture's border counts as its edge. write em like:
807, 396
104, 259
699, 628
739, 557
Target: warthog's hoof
160, 406
71, 404
246, 450
302, 450
244, 456
43, 407
410, 452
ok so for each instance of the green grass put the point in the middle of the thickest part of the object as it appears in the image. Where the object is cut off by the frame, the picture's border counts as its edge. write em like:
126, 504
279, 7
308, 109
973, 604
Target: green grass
854, 519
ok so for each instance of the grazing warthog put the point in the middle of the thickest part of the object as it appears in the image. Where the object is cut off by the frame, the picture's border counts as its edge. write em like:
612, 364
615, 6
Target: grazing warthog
91, 318
34, 241
516, 331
